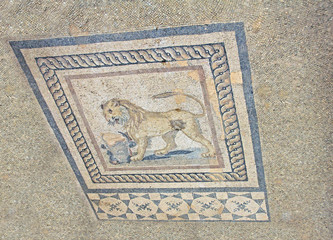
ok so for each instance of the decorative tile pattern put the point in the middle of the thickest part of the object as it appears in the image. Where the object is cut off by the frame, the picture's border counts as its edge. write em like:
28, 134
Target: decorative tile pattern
230, 206
125, 110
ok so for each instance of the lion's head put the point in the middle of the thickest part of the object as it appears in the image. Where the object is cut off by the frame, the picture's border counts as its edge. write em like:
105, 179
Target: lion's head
114, 112
121, 111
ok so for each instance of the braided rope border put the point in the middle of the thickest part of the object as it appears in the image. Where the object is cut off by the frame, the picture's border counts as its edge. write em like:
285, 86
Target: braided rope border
218, 61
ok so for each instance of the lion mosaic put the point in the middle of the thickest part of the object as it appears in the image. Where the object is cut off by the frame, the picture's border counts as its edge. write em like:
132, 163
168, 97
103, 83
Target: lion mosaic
141, 124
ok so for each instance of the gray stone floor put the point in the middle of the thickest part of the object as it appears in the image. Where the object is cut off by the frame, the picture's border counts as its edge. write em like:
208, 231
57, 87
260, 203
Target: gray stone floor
289, 44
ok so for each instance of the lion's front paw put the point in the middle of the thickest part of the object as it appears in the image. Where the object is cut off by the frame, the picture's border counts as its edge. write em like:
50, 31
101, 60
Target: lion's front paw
161, 152
136, 158
208, 154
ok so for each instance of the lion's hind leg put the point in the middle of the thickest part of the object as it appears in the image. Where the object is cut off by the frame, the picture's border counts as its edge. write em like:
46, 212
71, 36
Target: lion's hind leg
169, 138
192, 130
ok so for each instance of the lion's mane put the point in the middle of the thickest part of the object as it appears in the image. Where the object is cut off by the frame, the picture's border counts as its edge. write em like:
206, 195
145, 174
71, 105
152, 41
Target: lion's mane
136, 114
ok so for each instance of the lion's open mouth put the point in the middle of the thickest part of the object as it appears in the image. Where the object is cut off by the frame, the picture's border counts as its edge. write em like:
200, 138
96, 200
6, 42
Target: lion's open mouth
114, 120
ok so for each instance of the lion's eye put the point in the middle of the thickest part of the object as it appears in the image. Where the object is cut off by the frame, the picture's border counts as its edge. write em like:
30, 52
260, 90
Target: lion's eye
110, 111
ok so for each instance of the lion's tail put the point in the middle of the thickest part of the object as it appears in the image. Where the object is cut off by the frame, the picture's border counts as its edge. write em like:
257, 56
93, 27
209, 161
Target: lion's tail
170, 94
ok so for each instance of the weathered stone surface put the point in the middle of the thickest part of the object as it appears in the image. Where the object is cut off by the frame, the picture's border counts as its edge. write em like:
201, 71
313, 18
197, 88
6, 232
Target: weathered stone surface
289, 52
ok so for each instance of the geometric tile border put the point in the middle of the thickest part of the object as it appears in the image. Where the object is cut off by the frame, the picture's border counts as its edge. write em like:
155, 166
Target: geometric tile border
232, 206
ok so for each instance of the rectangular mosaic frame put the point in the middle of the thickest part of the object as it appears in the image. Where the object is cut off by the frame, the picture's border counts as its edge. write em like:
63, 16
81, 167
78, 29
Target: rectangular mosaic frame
217, 57
216, 54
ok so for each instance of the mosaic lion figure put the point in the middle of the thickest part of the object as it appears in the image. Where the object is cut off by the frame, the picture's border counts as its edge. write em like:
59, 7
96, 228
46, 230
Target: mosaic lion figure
141, 124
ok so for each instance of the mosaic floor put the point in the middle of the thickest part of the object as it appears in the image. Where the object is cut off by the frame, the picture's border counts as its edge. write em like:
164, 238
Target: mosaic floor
157, 125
